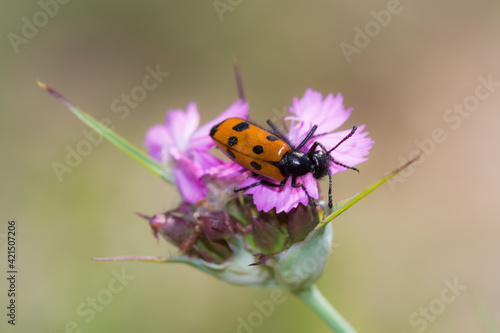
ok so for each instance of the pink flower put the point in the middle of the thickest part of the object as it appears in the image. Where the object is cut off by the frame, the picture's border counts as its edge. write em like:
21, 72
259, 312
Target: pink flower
180, 144
328, 114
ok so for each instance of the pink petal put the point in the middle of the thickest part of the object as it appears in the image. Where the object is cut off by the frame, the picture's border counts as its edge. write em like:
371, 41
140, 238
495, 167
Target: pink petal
188, 180
205, 160
328, 114
298, 132
158, 139
352, 151
182, 125
282, 198
227, 170
201, 140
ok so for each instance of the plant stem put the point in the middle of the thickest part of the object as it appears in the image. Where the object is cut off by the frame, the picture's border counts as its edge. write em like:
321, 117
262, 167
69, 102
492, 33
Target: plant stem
319, 304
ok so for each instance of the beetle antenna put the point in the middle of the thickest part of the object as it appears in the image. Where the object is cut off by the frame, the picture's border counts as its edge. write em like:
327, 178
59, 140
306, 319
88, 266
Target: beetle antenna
344, 139
343, 165
311, 132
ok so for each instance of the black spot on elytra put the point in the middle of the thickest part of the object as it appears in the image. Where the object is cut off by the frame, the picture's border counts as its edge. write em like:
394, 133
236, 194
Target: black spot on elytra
271, 138
258, 149
255, 165
230, 153
241, 127
214, 130
232, 141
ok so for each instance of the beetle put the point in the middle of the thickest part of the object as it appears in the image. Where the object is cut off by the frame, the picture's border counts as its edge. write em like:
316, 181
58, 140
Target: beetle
269, 153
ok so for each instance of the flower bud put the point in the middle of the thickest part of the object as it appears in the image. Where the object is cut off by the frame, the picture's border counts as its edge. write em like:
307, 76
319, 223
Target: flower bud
301, 221
241, 245
269, 238
216, 228
175, 229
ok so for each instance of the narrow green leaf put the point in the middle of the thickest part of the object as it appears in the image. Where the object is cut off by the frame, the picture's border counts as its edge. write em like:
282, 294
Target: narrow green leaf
113, 137
235, 270
338, 205
344, 205
198, 263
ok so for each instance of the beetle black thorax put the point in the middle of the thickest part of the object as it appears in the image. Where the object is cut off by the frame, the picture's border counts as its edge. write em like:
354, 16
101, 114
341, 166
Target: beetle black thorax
295, 163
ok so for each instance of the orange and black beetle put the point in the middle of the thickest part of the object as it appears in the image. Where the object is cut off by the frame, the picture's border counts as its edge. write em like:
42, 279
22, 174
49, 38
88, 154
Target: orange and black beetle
270, 154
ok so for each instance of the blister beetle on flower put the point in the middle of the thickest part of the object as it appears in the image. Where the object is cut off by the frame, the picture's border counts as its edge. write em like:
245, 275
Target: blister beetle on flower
270, 154
267, 239
185, 150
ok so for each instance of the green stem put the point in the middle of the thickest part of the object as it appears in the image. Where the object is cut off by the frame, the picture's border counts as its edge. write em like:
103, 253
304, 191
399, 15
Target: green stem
319, 304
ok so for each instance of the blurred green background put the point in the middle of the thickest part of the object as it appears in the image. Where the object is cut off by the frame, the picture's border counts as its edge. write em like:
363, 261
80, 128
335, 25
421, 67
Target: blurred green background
394, 251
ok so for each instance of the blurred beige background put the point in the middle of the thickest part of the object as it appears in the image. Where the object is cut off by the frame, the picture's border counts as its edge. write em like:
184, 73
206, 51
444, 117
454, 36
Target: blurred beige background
396, 252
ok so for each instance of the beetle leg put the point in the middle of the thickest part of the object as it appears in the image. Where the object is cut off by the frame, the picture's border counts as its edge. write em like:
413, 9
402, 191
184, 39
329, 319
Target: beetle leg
246, 187
294, 184
283, 182
262, 182
330, 200
313, 148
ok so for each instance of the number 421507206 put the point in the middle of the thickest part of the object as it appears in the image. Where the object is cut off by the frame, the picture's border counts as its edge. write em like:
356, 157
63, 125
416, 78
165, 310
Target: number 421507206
11, 244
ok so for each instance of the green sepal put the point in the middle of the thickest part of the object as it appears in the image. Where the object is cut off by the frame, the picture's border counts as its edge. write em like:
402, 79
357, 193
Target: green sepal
302, 264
